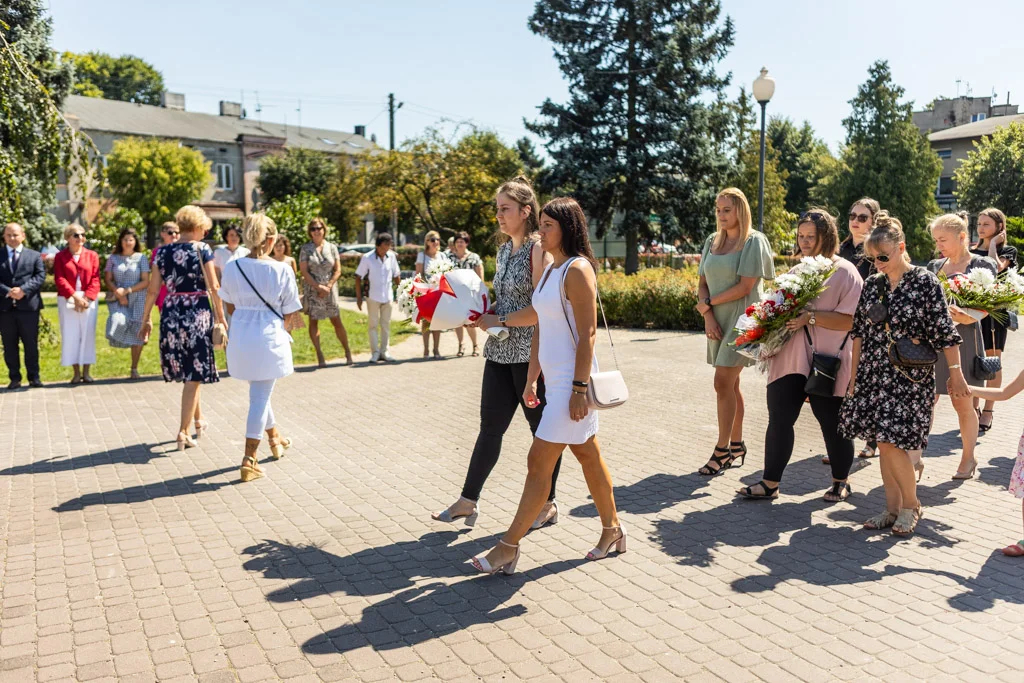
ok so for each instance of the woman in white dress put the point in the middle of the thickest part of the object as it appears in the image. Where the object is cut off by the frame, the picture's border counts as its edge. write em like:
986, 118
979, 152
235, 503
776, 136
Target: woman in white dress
264, 294
561, 320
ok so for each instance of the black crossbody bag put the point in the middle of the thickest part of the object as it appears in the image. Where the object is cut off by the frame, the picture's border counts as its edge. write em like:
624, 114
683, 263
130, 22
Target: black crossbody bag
824, 369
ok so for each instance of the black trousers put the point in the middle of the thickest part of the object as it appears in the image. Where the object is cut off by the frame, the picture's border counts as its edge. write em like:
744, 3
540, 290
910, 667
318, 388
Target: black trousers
501, 394
23, 327
785, 400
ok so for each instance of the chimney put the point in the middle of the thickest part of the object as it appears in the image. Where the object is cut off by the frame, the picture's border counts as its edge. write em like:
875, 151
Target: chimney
231, 109
361, 131
172, 100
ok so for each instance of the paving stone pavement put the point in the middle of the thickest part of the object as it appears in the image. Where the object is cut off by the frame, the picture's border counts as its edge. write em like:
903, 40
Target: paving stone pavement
121, 558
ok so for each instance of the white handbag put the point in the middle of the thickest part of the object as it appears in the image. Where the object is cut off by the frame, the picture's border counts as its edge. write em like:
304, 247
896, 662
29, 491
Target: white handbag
608, 389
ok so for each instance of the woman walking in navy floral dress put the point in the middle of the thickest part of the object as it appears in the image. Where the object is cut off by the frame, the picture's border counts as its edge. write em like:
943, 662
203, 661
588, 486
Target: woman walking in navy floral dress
187, 321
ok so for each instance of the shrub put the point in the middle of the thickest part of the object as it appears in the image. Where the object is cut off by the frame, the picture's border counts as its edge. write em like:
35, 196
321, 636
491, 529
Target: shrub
1015, 232
660, 298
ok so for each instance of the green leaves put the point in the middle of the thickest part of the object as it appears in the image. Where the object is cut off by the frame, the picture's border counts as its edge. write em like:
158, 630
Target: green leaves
295, 171
125, 78
292, 215
156, 177
993, 173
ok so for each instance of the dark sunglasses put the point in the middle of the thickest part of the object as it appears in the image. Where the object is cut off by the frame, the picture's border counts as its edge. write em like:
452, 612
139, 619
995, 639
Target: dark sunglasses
78, 235
859, 217
882, 258
316, 229
433, 239
812, 216
171, 232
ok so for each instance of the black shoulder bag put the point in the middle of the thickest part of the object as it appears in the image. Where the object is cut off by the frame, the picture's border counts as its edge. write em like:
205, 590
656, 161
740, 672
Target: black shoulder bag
824, 369
986, 367
904, 353
288, 327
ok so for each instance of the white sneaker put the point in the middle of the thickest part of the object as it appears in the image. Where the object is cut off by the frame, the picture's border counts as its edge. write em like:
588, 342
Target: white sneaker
388, 357
375, 357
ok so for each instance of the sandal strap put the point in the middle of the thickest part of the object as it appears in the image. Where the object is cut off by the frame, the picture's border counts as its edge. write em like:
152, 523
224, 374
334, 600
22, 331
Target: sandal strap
508, 545
768, 490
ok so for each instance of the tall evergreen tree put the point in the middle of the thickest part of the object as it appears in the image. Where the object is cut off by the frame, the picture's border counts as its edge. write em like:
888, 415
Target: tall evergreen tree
800, 155
888, 158
638, 135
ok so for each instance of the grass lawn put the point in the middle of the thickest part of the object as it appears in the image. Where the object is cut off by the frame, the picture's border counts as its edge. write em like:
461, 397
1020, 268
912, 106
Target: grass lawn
111, 362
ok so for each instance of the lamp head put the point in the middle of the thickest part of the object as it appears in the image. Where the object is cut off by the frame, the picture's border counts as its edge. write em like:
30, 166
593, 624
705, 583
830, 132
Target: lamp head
764, 87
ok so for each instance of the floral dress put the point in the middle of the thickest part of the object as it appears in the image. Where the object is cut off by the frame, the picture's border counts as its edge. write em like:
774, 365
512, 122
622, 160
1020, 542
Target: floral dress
124, 322
321, 269
186, 322
468, 262
890, 404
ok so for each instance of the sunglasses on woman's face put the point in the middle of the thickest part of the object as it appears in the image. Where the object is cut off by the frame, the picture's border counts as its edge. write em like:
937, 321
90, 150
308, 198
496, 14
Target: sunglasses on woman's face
433, 239
171, 232
859, 217
316, 230
881, 258
78, 235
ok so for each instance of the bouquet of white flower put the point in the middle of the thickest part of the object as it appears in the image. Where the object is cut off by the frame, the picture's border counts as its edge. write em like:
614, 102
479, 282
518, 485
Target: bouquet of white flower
762, 329
980, 290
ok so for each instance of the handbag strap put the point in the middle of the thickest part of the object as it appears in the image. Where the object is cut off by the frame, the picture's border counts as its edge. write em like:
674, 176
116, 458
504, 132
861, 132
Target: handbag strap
808, 334
256, 291
565, 312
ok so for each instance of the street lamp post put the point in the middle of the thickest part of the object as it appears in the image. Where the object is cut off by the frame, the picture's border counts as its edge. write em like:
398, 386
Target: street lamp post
764, 88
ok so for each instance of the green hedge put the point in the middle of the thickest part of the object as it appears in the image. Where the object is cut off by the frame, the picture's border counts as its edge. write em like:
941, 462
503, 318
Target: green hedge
658, 298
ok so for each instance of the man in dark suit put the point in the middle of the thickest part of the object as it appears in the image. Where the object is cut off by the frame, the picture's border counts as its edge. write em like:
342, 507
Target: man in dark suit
21, 277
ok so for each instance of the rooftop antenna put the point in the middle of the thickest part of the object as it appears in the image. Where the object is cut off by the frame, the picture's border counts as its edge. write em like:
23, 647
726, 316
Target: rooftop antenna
241, 103
957, 88
300, 116
259, 109
969, 90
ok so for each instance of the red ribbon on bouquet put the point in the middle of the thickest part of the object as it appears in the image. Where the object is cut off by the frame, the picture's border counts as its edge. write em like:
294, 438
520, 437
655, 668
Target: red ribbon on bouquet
475, 315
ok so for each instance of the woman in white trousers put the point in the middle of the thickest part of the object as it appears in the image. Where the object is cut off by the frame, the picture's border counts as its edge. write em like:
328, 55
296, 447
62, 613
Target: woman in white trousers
264, 294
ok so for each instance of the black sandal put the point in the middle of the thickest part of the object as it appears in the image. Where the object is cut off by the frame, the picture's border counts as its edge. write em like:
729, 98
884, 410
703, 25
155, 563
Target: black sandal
735, 446
770, 492
723, 461
840, 490
984, 428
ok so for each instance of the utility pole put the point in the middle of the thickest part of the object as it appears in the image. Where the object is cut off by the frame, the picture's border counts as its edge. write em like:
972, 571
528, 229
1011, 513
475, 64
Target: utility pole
391, 116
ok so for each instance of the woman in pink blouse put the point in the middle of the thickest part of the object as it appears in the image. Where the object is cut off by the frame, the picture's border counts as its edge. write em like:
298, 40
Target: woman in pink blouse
822, 328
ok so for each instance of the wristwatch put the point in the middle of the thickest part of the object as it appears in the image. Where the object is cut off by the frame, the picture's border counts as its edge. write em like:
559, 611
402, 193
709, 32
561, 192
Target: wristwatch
812, 321
502, 319
707, 301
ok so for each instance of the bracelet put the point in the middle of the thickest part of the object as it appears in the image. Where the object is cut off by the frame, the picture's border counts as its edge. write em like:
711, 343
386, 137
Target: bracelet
583, 385
579, 393
954, 367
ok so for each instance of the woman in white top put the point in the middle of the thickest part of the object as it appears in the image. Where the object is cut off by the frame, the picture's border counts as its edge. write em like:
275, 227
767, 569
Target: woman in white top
567, 367
225, 254
424, 260
264, 293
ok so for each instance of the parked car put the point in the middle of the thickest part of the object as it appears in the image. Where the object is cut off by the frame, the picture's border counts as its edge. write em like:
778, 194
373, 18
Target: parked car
349, 249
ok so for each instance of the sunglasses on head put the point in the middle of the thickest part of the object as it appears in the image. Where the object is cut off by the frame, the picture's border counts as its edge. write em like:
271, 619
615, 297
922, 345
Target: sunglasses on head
859, 217
811, 216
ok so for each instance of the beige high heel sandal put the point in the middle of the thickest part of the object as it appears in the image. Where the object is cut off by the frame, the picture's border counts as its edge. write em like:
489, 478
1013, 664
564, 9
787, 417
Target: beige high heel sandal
277, 449
619, 544
508, 569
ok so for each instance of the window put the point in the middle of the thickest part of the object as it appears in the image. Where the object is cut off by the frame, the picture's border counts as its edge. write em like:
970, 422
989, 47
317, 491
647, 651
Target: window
946, 186
978, 117
225, 177
944, 153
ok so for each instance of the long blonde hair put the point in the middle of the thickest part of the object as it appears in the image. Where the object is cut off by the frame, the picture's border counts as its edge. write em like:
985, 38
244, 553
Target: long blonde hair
742, 207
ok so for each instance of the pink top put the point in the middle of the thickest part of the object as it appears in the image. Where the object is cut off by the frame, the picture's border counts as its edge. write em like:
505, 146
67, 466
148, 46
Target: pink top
842, 296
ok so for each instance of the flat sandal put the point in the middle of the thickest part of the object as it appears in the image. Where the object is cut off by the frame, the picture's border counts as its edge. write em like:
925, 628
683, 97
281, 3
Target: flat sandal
907, 521
882, 520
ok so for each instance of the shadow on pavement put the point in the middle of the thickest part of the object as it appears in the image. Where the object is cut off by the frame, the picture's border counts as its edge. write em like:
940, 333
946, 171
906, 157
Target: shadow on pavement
652, 495
136, 454
182, 486
996, 472
417, 613
1000, 579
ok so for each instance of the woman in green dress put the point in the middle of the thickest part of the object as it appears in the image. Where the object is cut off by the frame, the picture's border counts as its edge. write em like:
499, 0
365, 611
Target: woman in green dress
733, 264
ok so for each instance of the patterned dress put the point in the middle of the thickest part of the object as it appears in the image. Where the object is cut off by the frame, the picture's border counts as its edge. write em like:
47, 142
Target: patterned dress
513, 291
186, 323
971, 335
321, 269
468, 262
894, 404
124, 322
1017, 478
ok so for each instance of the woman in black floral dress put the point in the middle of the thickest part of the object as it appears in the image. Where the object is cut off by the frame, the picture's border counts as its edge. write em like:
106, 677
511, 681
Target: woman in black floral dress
187, 319
890, 403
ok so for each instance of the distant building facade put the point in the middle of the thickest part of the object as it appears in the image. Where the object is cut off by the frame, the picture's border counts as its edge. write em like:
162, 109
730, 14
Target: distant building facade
953, 127
235, 147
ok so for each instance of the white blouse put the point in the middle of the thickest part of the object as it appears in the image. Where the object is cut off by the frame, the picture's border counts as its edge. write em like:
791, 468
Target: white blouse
258, 346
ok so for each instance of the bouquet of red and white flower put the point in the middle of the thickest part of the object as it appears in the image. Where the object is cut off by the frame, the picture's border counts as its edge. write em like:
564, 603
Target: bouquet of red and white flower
761, 330
980, 290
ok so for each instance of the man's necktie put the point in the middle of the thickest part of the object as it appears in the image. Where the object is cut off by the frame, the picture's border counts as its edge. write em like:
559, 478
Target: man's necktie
14, 262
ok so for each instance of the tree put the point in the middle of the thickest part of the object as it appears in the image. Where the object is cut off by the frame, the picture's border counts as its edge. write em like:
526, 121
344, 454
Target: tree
107, 226
638, 136
345, 203
156, 177
800, 155
36, 142
297, 170
778, 221
293, 214
446, 186
993, 173
126, 78
886, 157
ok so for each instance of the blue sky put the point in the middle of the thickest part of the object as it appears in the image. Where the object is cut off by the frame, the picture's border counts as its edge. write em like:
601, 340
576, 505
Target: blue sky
477, 59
